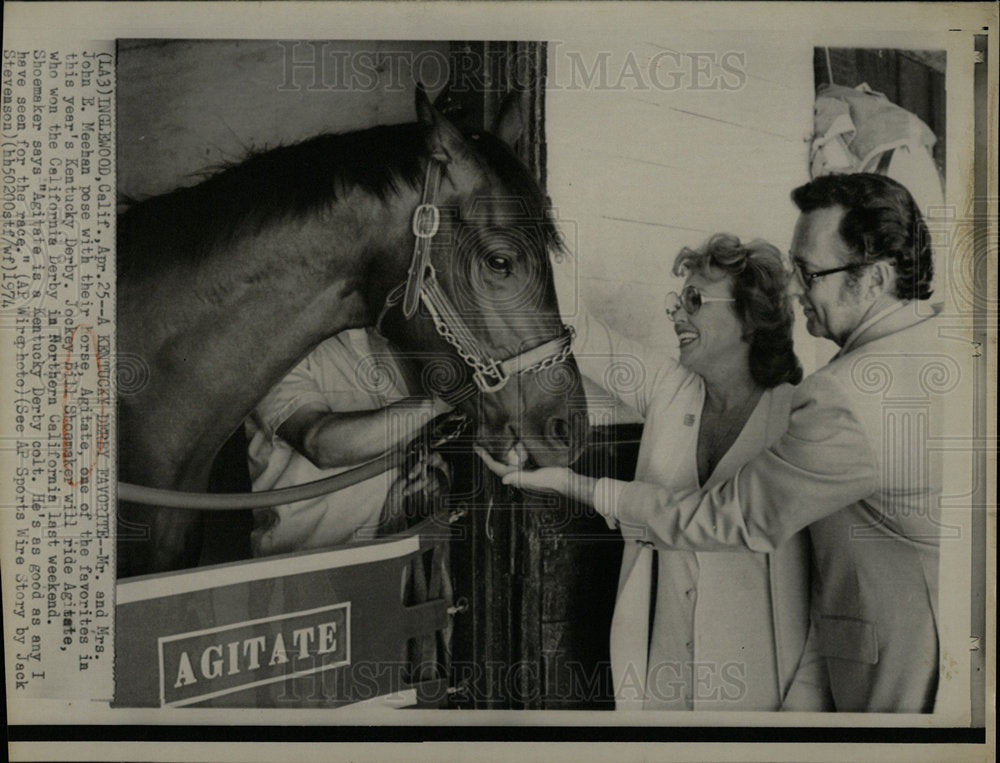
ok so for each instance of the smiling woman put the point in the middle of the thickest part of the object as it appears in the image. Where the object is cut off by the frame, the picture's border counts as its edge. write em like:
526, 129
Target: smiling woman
741, 618
757, 280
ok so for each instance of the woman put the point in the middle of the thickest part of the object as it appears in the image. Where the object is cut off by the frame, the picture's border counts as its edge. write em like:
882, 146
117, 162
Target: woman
719, 630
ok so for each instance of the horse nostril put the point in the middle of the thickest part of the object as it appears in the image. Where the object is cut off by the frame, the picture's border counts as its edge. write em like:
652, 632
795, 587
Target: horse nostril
558, 430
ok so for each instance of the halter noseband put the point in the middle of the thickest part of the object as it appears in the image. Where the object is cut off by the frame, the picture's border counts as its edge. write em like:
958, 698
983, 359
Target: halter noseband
488, 373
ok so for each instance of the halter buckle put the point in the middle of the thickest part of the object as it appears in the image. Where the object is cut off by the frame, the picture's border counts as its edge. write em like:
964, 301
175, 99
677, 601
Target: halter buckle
479, 377
426, 219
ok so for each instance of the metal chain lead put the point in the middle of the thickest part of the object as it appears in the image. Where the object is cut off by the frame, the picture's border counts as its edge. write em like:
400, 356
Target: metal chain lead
490, 366
553, 360
482, 364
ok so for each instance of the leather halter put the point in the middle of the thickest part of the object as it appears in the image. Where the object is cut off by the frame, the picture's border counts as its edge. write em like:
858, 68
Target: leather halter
488, 373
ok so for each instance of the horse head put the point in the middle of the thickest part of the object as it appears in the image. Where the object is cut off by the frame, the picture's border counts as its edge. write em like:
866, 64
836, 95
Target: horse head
480, 294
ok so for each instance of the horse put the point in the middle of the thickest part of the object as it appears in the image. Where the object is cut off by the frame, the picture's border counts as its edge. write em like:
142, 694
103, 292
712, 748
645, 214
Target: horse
223, 286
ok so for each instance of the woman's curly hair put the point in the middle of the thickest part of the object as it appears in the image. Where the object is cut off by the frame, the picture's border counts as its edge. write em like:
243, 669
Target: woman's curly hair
759, 280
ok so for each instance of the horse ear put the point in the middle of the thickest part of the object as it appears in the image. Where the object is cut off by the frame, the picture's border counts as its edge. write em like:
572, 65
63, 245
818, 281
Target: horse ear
445, 103
509, 123
445, 142
425, 111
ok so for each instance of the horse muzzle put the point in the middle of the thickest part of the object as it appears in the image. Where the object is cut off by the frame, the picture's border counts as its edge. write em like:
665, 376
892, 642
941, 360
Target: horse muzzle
556, 439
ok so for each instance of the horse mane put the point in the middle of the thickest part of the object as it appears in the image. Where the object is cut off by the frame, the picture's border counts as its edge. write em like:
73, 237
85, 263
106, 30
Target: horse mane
293, 181
265, 187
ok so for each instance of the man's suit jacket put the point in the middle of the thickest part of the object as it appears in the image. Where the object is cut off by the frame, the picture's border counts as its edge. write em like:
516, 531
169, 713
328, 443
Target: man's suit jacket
854, 466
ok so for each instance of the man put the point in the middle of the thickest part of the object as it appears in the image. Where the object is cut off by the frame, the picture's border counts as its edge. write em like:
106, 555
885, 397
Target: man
853, 466
344, 404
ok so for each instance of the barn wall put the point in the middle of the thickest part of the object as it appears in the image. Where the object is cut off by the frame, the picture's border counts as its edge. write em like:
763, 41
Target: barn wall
185, 106
711, 140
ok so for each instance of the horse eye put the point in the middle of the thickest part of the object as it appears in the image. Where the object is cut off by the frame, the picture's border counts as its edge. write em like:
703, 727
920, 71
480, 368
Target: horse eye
498, 264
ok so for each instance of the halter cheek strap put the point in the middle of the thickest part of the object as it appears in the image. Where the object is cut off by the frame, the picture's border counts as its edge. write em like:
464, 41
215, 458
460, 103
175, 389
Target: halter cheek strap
426, 220
488, 374
421, 285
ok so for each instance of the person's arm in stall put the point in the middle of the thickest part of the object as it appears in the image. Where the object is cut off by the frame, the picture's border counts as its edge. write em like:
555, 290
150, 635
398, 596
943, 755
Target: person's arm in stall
332, 439
299, 411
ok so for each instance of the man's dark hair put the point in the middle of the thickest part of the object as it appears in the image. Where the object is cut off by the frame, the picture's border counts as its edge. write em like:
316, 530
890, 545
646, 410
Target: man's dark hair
881, 222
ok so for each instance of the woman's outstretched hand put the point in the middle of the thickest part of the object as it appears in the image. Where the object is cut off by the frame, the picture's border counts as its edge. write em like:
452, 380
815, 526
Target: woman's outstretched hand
499, 468
549, 479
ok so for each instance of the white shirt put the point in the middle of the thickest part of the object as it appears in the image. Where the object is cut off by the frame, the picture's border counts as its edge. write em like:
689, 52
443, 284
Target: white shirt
352, 371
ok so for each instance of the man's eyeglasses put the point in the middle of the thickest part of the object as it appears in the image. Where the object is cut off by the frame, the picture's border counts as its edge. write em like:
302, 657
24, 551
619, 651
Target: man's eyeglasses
806, 278
690, 299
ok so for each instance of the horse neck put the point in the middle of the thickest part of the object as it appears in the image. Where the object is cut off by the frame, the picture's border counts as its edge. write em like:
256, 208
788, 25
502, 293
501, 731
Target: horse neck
225, 330
333, 271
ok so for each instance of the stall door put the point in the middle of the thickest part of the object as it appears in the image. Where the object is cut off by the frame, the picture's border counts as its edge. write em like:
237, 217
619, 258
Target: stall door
534, 580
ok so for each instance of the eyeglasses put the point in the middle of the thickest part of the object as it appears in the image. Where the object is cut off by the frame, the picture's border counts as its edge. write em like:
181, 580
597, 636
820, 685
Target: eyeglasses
690, 299
806, 278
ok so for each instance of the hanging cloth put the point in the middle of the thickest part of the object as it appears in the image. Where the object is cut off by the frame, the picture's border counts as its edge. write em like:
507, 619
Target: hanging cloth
855, 126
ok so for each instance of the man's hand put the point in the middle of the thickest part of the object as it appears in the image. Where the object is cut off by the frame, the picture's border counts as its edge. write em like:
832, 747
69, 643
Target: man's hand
415, 495
429, 476
548, 479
